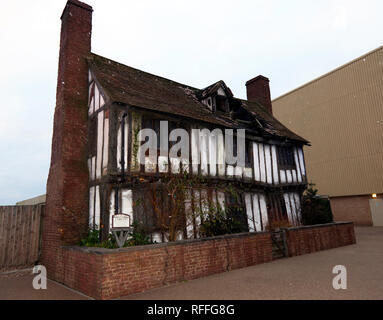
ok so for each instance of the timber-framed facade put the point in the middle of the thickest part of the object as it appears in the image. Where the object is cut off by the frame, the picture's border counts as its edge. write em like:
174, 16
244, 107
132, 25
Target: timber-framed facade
123, 100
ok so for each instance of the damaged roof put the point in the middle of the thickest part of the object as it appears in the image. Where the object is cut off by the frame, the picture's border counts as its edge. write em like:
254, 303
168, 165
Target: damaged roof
137, 88
213, 89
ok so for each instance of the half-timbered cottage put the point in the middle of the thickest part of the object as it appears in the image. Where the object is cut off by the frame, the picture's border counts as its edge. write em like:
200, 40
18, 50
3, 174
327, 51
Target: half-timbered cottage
124, 100
95, 173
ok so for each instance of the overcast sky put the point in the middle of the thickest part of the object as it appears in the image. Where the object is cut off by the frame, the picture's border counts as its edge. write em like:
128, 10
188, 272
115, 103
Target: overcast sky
192, 42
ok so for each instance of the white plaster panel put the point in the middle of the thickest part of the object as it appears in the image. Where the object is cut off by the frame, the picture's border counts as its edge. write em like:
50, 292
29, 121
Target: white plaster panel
248, 173
283, 176
238, 171
249, 212
288, 208
204, 143
195, 151
96, 98
119, 142
263, 206
126, 141
106, 147
175, 165
257, 172
91, 207
127, 203
221, 155
111, 208
213, 155
97, 209
94, 168
302, 161
162, 164
185, 165
90, 168
293, 208
230, 171
262, 162
298, 208
156, 237
289, 176
294, 172
275, 164
257, 213
100, 139
102, 101
297, 164
269, 173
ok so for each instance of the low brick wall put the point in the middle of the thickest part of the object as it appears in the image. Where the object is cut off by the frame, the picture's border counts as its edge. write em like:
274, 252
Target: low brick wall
106, 273
309, 239
110, 273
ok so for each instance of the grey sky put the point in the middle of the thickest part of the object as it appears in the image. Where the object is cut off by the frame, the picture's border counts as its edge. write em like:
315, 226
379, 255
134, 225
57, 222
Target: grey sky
192, 42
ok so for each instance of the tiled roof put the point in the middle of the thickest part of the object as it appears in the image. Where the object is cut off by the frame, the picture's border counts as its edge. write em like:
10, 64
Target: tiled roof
137, 88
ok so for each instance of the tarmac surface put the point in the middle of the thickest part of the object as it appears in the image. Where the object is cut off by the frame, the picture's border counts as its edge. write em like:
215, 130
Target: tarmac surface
304, 277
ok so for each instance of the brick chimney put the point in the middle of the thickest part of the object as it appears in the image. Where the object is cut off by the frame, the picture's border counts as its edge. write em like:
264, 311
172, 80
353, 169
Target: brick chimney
258, 90
66, 215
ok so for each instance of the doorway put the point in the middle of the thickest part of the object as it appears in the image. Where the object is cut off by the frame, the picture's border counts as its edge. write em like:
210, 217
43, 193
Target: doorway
376, 206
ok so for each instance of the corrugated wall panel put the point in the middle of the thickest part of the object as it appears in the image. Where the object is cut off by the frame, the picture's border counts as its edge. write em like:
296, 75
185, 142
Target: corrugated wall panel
341, 114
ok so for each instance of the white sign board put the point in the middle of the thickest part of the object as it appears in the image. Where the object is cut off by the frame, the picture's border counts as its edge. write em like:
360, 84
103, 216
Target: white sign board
121, 221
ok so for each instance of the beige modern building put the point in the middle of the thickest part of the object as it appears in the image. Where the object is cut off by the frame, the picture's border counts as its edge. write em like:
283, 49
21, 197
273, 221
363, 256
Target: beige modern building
341, 114
33, 201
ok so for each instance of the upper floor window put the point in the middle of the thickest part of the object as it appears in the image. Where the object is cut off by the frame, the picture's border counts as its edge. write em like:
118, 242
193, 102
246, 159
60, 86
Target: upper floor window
153, 124
286, 158
222, 103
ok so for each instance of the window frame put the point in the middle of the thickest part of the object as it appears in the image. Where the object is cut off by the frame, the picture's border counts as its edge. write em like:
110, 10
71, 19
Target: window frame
285, 156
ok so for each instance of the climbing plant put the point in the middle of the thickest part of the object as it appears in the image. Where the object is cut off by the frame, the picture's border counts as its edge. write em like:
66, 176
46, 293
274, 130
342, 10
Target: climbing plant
167, 199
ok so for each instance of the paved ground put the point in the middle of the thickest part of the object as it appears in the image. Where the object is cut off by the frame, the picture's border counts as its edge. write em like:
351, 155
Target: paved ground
305, 277
18, 286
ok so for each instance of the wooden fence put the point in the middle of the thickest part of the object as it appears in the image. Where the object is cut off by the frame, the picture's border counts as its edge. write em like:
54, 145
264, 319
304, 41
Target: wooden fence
19, 236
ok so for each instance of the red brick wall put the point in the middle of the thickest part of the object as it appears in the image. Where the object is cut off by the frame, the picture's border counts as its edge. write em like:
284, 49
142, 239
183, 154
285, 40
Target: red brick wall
310, 239
106, 274
354, 208
66, 216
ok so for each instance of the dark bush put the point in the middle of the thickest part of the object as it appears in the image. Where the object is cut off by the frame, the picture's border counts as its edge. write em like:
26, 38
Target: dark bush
218, 222
315, 210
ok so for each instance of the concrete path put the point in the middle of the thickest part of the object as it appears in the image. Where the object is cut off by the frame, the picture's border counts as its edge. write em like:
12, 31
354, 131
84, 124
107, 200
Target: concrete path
18, 286
305, 277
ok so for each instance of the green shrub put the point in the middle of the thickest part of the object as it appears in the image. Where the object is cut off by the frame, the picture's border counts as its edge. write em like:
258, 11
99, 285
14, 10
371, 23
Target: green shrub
315, 210
137, 237
92, 238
